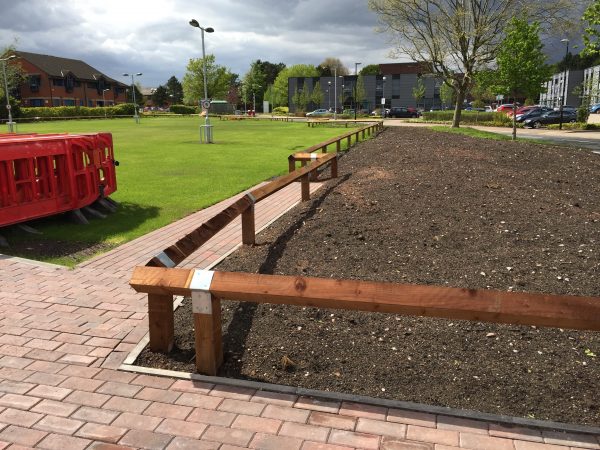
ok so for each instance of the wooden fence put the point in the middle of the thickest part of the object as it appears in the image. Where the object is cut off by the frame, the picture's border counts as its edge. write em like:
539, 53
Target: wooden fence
207, 288
184, 247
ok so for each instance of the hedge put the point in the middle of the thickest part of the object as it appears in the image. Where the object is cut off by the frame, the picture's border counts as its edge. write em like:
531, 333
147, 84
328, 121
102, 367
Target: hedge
123, 109
183, 109
499, 118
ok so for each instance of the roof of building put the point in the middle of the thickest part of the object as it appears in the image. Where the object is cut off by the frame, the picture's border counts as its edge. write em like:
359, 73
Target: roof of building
406, 67
56, 66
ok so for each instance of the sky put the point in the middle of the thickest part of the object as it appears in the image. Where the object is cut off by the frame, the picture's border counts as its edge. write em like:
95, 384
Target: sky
154, 37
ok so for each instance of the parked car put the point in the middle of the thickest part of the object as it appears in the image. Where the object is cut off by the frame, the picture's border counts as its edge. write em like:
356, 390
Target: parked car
504, 107
533, 112
488, 108
377, 112
595, 109
566, 108
550, 117
403, 112
318, 112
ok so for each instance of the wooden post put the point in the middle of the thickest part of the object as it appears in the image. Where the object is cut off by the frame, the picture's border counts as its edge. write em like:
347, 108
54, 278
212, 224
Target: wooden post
305, 185
338, 146
324, 149
348, 142
209, 344
248, 227
291, 163
334, 167
161, 323
363, 134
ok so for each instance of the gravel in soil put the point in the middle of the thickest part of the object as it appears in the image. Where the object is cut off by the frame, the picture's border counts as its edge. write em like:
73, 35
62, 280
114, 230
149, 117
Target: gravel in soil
416, 206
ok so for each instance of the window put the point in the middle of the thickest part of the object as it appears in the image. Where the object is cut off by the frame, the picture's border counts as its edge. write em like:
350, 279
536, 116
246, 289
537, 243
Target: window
34, 82
68, 102
56, 102
58, 82
36, 102
69, 82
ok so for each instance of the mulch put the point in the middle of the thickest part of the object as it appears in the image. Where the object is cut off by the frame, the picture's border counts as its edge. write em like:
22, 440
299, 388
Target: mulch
423, 207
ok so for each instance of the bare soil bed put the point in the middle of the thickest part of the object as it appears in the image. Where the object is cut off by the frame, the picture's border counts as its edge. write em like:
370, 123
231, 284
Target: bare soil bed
416, 206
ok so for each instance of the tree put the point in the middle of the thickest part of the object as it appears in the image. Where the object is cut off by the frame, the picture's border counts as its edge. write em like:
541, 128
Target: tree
218, 80
139, 97
296, 99
360, 94
418, 91
15, 75
591, 35
522, 67
317, 95
174, 90
160, 97
446, 94
304, 96
269, 70
457, 38
280, 87
371, 69
254, 81
326, 68
233, 95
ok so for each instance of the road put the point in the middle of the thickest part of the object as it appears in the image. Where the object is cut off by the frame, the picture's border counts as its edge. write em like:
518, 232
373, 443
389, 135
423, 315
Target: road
580, 139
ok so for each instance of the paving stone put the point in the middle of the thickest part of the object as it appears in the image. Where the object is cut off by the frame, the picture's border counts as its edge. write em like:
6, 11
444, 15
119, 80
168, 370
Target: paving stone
480, 442
168, 411
181, 443
228, 436
145, 440
22, 436
96, 415
99, 432
211, 417
62, 442
412, 417
50, 392
137, 422
199, 400
363, 410
462, 424
181, 428
55, 408
303, 431
317, 404
18, 417
127, 404
60, 425
380, 427
241, 407
269, 442
352, 439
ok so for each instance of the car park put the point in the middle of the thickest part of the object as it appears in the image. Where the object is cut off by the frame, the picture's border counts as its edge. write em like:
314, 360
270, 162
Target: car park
403, 112
318, 112
550, 118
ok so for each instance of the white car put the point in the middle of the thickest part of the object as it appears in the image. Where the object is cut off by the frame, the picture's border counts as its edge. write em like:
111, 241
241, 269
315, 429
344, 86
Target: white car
318, 112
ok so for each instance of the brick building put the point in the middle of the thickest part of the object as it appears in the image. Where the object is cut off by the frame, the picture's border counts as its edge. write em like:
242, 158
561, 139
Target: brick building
55, 81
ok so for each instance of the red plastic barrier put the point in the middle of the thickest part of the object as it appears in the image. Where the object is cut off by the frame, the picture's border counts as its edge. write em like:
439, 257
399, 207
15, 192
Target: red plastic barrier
43, 175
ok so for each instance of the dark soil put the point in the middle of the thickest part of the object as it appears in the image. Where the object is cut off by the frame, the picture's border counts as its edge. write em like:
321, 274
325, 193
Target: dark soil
39, 247
416, 206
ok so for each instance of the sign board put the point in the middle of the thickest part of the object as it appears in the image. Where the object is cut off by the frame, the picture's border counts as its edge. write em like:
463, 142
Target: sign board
205, 104
383, 100
266, 106
500, 97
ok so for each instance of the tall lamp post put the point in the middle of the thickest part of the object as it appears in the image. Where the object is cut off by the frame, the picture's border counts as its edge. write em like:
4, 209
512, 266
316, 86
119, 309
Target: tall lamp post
564, 89
8, 108
342, 99
136, 117
104, 101
329, 95
383, 98
205, 101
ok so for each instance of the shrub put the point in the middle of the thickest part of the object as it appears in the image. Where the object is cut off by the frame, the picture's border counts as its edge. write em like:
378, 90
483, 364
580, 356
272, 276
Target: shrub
583, 112
467, 117
183, 109
281, 110
124, 109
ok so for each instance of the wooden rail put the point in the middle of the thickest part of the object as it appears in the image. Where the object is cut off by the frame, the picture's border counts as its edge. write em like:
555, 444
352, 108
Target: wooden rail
207, 289
244, 207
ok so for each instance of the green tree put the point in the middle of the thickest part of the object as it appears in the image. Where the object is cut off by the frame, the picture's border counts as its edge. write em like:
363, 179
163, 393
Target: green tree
218, 80
139, 97
160, 96
446, 94
418, 91
280, 87
254, 80
317, 95
591, 35
522, 67
456, 39
304, 96
15, 75
360, 93
270, 70
371, 69
174, 90
296, 99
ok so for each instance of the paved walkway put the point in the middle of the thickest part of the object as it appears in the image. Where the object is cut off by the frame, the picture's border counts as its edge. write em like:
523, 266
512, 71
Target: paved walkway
64, 333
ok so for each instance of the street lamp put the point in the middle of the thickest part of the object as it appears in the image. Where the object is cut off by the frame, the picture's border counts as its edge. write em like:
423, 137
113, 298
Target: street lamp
205, 101
329, 95
342, 99
564, 89
136, 117
10, 122
383, 99
104, 101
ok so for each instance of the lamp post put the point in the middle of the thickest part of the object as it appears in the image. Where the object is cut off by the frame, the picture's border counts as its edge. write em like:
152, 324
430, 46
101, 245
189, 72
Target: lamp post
383, 99
342, 99
564, 89
254, 87
329, 95
205, 101
10, 122
104, 101
136, 117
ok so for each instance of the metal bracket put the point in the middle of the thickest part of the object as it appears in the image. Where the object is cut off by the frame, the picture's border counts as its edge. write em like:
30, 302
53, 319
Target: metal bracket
164, 258
313, 156
200, 287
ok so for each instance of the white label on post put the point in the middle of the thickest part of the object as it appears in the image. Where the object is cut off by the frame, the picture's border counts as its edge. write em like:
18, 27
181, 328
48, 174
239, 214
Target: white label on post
201, 302
383, 100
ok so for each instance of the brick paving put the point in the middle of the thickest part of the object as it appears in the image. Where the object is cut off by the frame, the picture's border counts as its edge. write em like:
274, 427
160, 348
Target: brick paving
64, 333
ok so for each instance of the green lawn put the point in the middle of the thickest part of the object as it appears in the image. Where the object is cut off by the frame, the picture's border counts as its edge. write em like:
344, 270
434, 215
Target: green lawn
166, 174
472, 132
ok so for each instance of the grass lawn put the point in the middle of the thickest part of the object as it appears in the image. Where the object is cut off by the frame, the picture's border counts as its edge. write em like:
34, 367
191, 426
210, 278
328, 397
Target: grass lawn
467, 131
166, 174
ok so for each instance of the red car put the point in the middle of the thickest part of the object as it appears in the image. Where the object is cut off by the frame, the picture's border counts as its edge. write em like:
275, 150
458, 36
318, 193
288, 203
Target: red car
505, 107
